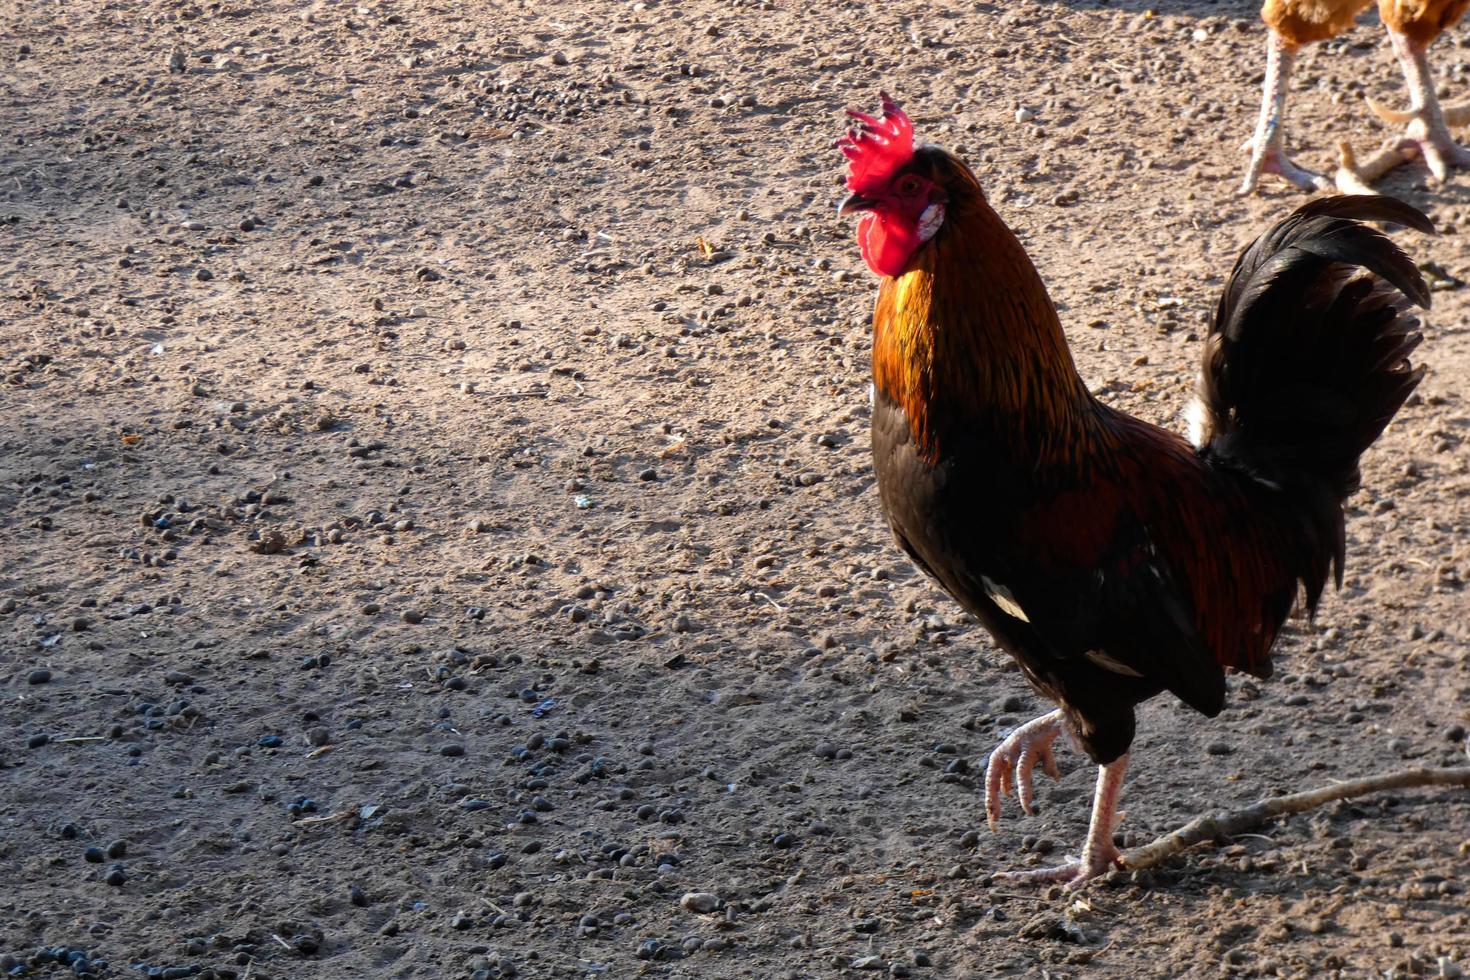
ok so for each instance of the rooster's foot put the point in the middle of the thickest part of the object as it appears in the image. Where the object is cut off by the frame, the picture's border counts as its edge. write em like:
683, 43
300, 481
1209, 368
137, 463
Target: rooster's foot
1274, 161
1428, 122
1099, 854
1011, 764
1074, 874
1356, 176
1428, 135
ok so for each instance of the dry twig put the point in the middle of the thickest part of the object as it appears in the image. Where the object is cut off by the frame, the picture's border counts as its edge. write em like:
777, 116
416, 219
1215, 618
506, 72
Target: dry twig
1229, 822
337, 817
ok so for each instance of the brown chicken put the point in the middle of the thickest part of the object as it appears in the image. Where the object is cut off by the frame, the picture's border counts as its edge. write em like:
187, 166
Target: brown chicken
1412, 27
1111, 558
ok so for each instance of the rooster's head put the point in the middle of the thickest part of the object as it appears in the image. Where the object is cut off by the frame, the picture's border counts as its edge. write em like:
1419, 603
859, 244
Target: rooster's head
894, 184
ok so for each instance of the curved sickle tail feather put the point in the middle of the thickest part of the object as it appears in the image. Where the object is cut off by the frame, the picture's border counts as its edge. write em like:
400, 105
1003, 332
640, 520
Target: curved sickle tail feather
1308, 361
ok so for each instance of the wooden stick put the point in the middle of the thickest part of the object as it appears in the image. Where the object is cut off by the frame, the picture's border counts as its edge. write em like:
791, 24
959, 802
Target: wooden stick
1228, 822
337, 817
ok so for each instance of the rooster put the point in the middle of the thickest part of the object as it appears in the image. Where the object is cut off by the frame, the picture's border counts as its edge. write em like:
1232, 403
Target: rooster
1111, 558
1412, 27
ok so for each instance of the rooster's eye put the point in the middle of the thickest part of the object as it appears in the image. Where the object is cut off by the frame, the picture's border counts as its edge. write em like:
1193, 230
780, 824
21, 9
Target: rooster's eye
909, 185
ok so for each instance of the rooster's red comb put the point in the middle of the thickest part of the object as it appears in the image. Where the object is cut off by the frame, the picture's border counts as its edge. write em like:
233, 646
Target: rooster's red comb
876, 148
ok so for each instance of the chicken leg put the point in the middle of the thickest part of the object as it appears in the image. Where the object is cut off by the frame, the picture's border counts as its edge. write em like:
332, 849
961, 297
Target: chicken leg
1428, 128
1011, 767
1099, 854
1268, 154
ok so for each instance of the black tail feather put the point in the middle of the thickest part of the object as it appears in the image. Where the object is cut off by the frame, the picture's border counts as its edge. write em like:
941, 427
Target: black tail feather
1308, 361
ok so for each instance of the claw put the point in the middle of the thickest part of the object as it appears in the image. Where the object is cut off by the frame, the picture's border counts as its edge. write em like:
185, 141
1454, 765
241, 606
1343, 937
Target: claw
1012, 763
1394, 117
1033, 753
1442, 158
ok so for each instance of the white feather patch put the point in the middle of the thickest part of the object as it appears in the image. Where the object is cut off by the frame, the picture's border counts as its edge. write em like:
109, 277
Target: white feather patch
1197, 418
1001, 596
1108, 663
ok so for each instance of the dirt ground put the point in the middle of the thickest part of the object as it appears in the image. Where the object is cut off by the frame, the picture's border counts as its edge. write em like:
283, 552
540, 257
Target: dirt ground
434, 474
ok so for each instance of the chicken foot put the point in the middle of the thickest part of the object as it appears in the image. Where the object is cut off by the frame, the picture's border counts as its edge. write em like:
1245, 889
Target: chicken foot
1268, 154
1099, 854
1013, 761
1357, 177
1428, 123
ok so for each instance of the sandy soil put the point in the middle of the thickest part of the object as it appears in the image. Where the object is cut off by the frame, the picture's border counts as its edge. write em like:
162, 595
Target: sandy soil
434, 473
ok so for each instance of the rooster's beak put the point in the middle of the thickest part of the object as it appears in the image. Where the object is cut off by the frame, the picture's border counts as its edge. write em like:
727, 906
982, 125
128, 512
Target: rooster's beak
855, 202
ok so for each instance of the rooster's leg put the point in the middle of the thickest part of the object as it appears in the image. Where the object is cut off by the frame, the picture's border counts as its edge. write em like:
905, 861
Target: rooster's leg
1014, 759
1099, 855
1268, 155
1428, 128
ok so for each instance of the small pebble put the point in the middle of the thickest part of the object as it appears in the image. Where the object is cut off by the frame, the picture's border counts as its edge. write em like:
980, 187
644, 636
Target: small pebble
39, 676
700, 902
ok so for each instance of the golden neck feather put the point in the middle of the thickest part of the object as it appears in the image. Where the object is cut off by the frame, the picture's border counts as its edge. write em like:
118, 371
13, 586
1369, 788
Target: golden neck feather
967, 340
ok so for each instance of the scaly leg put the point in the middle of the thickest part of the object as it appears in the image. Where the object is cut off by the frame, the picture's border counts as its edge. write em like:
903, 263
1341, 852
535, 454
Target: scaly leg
1268, 154
1099, 855
1428, 129
1013, 760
